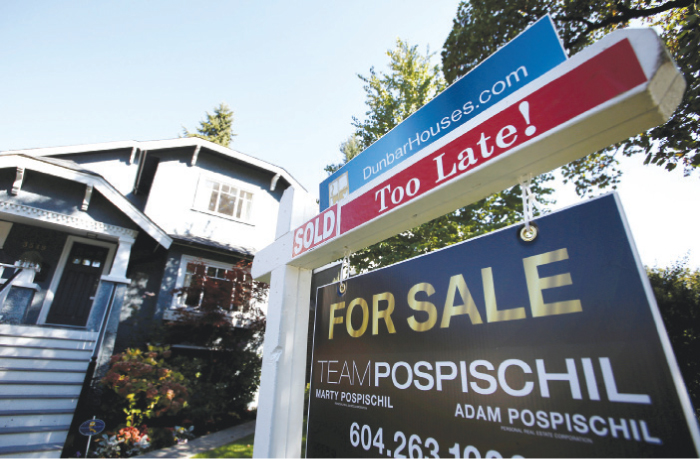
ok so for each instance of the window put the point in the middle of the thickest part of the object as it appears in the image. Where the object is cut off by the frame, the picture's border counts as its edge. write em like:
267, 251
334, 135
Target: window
217, 281
204, 284
224, 199
208, 283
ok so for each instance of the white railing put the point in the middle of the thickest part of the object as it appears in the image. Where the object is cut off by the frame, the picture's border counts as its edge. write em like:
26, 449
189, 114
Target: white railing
22, 276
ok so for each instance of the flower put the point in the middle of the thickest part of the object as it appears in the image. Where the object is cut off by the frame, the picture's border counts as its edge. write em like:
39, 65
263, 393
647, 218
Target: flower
129, 433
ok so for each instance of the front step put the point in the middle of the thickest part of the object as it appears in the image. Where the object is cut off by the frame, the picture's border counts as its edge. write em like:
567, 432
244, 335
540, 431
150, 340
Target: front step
29, 402
28, 373
51, 343
41, 352
24, 436
44, 363
35, 417
42, 371
50, 450
8, 387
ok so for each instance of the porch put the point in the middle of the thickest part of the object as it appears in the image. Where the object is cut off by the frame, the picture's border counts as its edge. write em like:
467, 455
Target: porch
43, 366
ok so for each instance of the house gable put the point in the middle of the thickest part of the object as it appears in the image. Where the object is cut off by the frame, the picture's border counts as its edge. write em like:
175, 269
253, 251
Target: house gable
71, 183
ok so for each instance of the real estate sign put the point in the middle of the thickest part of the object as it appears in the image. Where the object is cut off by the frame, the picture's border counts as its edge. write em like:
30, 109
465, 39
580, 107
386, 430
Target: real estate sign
530, 55
496, 347
598, 80
621, 85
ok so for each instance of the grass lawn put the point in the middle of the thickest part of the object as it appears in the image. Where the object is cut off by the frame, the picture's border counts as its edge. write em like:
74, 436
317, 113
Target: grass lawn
243, 448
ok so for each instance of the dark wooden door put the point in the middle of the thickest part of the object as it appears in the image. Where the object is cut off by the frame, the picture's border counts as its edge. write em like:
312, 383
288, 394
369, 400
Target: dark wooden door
76, 290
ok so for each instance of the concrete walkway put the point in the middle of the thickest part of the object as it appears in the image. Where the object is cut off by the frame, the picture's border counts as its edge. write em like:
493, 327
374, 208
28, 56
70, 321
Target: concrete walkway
203, 443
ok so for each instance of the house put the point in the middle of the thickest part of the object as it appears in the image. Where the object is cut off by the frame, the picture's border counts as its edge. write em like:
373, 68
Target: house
94, 239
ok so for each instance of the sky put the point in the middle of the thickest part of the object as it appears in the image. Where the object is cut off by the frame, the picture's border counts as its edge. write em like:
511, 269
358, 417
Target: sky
78, 72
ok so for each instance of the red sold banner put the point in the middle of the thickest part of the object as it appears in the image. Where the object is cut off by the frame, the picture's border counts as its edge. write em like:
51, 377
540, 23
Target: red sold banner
316, 231
600, 79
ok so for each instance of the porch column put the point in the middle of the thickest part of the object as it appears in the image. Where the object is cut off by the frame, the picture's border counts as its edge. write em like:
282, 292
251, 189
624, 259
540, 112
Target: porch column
110, 297
121, 260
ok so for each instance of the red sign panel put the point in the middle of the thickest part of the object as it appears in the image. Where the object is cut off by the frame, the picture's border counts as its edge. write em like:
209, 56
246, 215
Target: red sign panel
598, 80
316, 231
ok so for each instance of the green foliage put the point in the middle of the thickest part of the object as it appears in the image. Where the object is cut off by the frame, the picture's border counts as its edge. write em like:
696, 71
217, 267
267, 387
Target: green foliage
677, 292
410, 83
140, 386
161, 437
182, 435
223, 384
224, 367
242, 448
676, 142
481, 27
224, 303
489, 214
205, 387
391, 97
216, 128
145, 385
349, 148
127, 442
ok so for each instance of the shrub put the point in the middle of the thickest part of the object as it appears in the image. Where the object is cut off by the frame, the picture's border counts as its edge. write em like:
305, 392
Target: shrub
146, 387
677, 291
128, 441
223, 385
188, 390
225, 328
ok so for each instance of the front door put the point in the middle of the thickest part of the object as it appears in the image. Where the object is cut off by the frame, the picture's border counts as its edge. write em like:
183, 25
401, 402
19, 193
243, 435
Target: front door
76, 290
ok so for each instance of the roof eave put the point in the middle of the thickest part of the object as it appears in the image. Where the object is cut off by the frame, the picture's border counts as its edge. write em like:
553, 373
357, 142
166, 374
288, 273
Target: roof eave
98, 182
161, 145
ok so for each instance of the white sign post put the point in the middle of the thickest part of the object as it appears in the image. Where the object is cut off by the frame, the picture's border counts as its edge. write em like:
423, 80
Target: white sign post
622, 85
280, 402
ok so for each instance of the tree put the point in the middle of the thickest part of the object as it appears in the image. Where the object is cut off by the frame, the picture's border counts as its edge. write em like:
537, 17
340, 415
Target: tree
392, 97
216, 128
677, 292
226, 324
482, 26
350, 148
410, 83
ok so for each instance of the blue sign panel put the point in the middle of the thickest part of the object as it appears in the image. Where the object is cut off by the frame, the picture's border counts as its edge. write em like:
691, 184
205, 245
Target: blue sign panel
527, 57
497, 348
91, 427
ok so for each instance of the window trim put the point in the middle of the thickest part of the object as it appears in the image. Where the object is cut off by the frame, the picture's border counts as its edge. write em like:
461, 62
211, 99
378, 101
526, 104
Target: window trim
186, 259
238, 318
200, 203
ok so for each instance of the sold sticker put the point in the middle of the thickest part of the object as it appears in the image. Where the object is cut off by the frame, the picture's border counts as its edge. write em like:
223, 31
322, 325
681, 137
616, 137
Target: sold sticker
318, 230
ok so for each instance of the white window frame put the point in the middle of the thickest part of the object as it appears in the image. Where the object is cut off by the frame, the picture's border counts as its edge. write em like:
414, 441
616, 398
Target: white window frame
203, 196
178, 302
238, 318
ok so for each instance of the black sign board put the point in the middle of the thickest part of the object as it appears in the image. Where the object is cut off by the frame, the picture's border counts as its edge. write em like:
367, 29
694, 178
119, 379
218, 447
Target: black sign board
500, 348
